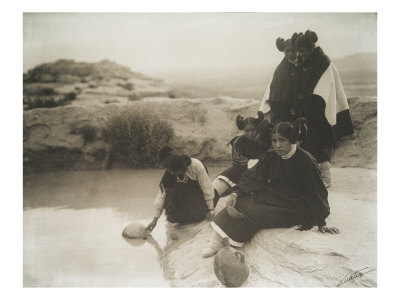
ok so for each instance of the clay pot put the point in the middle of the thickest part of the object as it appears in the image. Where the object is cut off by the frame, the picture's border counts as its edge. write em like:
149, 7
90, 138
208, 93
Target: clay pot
135, 230
230, 266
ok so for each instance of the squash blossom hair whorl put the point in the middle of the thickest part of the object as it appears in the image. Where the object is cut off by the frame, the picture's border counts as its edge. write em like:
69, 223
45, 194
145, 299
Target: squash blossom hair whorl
307, 40
241, 123
294, 38
281, 44
290, 131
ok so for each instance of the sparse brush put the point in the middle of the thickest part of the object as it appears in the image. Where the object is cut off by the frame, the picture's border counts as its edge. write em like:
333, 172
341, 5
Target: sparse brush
48, 101
128, 86
135, 135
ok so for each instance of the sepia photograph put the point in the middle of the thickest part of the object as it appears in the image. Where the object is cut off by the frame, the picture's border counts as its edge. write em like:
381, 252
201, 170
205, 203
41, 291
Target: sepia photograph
199, 149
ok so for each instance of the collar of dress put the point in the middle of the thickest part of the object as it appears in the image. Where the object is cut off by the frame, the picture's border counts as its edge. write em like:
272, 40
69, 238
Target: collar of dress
290, 153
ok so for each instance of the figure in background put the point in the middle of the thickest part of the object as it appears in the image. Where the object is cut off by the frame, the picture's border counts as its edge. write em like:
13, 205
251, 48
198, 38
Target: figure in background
281, 95
319, 139
283, 190
250, 145
186, 192
318, 76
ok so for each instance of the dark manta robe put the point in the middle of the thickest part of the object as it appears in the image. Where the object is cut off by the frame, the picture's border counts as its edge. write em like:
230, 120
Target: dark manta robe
276, 193
283, 95
291, 84
184, 200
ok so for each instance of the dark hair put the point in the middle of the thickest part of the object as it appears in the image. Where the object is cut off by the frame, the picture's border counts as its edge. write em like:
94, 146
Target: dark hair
178, 162
264, 131
307, 40
164, 152
241, 123
281, 44
294, 38
290, 131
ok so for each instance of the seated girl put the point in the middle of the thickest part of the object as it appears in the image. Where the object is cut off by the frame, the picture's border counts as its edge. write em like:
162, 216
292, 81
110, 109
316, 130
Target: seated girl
186, 192
283, 190
248, 146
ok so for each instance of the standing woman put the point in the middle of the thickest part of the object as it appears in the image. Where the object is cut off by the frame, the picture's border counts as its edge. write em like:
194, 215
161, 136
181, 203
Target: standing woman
250, 145
284, 189
186, 192
319, 84
318, 75
281, 95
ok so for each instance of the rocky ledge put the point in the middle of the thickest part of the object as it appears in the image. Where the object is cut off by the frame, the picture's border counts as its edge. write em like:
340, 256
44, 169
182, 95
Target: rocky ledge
59, 138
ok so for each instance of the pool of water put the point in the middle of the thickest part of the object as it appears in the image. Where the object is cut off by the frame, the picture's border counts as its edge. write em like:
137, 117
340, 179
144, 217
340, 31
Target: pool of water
73, 223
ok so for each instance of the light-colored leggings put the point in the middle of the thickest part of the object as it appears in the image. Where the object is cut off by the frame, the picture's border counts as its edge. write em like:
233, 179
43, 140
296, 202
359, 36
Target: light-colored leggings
325, 168
220, 186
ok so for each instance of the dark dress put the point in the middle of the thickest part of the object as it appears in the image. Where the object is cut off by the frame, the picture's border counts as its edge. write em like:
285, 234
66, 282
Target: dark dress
184, 200
276, 193
283, 93
243, 149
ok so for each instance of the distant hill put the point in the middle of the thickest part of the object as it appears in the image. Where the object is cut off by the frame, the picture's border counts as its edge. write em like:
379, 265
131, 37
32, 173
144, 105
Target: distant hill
357, 62
68, 70
61, 82
358, 73
65, 81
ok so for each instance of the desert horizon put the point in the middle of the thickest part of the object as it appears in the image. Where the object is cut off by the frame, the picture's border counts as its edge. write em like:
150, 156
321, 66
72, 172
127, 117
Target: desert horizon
358, 72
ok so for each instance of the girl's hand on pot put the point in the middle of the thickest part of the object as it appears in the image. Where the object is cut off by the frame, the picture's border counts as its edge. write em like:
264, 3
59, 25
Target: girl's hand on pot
151, 226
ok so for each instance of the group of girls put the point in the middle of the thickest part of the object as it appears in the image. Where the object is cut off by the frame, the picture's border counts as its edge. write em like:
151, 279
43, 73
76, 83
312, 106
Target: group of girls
280, 164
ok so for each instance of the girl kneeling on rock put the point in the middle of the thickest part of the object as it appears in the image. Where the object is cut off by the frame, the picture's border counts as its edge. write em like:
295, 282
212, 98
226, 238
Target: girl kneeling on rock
186, 192
250, 145
283, 190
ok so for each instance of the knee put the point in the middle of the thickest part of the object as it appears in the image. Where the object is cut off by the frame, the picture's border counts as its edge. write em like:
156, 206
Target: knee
325, 168
220, 186
326, 165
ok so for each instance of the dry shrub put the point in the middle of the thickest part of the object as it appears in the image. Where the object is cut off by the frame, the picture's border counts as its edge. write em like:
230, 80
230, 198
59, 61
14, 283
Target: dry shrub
135, 135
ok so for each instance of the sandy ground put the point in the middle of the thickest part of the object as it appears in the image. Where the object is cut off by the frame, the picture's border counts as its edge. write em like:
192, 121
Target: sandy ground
290, 258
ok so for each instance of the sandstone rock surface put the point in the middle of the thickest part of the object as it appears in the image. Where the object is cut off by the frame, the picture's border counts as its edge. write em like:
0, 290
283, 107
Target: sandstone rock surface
54, 137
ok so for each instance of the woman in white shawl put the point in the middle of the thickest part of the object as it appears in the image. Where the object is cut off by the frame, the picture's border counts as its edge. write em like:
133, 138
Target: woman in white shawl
318, 82
315, 75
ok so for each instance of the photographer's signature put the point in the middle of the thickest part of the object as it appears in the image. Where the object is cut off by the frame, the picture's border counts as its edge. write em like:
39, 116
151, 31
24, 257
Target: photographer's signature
354, 274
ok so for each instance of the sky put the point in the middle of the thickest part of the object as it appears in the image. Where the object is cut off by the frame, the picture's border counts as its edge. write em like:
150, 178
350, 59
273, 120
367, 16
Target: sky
161, 44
